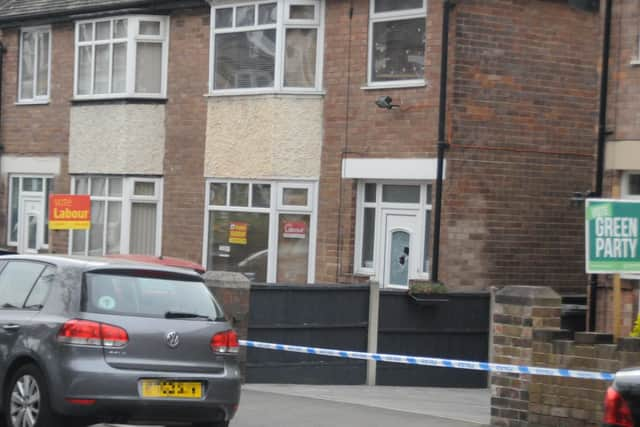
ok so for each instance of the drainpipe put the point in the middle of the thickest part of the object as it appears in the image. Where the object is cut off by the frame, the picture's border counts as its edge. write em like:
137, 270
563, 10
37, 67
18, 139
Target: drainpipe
442, 143
602, 136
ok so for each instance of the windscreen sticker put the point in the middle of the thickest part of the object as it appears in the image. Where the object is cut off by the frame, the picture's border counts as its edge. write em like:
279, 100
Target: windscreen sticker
106, 302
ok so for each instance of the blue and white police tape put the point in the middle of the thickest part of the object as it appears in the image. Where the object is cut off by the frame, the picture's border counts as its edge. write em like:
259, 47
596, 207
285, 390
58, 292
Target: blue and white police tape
433, 361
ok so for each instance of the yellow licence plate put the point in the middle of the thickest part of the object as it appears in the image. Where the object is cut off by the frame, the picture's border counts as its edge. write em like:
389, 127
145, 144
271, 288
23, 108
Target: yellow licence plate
171, 389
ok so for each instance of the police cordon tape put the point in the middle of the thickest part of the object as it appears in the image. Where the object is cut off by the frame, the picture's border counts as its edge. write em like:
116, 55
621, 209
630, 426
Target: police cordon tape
433, 361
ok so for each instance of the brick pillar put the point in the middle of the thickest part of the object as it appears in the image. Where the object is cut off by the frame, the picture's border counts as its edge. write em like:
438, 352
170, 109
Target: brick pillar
517, 311
233, 290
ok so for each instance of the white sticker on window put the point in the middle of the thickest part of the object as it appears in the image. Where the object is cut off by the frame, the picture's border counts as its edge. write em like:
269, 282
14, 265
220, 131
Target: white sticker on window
106, 302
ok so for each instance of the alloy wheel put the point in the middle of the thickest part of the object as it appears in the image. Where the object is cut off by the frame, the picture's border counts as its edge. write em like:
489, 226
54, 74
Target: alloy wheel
25, 402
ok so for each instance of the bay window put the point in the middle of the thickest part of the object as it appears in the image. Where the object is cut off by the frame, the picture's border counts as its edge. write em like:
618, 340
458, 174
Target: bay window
35, 65
123, 56
262, 46
397, 38
125, 216
264, 230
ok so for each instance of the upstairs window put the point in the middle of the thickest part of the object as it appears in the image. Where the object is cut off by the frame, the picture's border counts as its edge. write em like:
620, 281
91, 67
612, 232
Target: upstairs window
35, 63
397, 32
124, 56
267, 46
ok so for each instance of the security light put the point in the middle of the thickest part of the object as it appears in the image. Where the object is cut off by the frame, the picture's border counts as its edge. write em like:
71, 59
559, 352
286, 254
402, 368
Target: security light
385, 102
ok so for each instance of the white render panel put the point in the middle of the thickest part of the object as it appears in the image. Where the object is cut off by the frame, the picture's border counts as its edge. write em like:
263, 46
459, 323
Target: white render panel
117, 139
622, 155
266, 136
30, 165
405, 169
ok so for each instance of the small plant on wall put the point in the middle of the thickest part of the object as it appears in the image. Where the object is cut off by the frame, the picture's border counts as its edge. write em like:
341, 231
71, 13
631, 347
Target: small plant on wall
426, 287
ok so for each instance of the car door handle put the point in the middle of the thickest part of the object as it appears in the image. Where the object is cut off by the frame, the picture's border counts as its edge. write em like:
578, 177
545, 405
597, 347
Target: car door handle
11, 327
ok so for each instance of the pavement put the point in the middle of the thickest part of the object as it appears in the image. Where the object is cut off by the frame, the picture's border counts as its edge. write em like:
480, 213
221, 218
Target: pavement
464, 405
288, 405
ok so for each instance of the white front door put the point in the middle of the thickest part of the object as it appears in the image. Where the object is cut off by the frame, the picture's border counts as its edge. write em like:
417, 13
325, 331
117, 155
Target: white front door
400, 247
30, 223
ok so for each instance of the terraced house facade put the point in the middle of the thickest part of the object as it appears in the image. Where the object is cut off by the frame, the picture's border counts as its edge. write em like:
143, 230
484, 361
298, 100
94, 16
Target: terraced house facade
245, 135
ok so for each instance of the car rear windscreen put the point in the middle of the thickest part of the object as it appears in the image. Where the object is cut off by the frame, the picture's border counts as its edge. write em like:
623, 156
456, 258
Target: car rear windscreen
156, 296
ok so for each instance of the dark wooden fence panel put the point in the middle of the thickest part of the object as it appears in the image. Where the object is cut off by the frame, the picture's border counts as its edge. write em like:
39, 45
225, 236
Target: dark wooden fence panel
318, 316
456, 327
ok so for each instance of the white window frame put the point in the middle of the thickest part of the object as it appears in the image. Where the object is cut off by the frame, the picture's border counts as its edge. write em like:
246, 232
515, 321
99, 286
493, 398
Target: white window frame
422, 208
39, 194
127, 198
376, 17
132, 39
274, 211
283, 23
36, 99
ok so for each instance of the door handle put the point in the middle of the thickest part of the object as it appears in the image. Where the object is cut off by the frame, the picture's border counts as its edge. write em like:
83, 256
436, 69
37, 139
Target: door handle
11, 327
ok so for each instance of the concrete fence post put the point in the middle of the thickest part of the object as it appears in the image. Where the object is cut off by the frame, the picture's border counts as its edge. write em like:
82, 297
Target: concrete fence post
372, 338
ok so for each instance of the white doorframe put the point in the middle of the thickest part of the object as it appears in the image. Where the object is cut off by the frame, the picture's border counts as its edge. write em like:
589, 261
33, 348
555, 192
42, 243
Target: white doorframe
30, 206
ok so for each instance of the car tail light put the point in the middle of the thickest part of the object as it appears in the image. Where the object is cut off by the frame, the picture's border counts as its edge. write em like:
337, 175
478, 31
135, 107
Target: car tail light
225, 342
616, 410
85, 332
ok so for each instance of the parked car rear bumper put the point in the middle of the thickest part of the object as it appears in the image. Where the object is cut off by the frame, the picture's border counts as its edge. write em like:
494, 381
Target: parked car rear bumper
117, 397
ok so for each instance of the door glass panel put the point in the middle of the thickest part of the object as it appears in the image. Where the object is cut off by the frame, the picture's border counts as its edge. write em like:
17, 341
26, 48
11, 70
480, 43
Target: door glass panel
293, 248
32, 233
399, 258
370, 193
32, 184
239, 241
401, 193
427, 240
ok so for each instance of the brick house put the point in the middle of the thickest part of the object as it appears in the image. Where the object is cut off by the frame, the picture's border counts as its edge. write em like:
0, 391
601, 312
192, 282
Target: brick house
522, 110
245, 135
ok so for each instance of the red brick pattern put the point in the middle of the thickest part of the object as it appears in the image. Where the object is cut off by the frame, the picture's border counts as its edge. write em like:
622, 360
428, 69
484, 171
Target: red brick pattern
185, 129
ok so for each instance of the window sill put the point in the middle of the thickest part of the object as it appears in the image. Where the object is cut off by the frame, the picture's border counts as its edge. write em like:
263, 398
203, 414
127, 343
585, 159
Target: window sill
119, 100
314, 93
635, 62
43, 102
395, 85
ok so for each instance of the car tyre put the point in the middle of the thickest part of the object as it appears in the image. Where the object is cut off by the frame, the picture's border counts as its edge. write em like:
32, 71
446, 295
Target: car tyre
27, 395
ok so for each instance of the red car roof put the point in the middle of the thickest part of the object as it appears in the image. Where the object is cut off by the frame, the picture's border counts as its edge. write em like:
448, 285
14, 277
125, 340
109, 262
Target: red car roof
162, 260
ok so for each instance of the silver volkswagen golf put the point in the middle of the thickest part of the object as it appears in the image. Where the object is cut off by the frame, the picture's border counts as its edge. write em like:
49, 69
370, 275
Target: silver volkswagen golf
93, 340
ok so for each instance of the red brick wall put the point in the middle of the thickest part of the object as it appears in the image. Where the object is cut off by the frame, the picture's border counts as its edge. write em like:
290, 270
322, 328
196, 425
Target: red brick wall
41, 130
522, 116
185, 134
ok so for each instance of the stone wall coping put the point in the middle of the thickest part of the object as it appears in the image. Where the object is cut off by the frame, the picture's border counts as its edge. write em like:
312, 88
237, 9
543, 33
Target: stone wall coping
592, 338
551, 334
226, 279
540, 296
